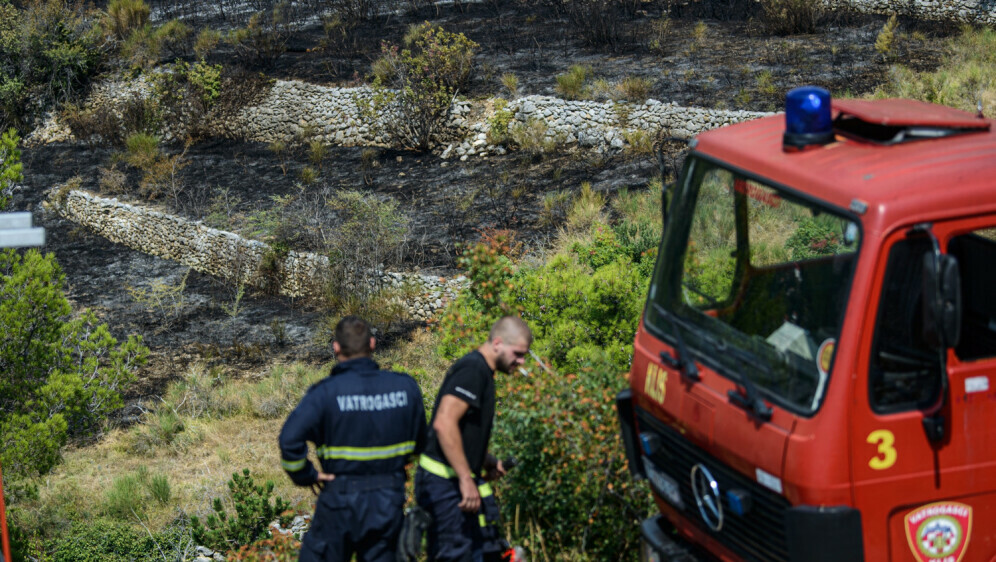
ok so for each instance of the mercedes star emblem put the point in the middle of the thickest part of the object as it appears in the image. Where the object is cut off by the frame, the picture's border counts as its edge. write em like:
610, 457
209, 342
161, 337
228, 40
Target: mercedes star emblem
706, 492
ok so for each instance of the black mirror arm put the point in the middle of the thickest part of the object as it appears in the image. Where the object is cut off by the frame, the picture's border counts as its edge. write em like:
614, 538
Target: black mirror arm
933, 421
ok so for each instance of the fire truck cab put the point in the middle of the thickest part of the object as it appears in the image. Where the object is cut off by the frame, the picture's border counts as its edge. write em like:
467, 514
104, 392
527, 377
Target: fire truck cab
814, 375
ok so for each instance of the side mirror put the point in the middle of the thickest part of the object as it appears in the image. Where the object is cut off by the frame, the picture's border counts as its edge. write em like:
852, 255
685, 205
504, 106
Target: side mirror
941, 300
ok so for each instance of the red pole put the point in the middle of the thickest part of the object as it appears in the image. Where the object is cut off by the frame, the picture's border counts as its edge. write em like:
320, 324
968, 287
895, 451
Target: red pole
3, 524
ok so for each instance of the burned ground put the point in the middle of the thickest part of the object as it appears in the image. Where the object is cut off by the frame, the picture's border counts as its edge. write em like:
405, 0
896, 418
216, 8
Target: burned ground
699, 62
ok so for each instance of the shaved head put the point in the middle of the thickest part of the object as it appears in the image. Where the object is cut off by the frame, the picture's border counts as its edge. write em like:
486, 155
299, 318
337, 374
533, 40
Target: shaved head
511, 329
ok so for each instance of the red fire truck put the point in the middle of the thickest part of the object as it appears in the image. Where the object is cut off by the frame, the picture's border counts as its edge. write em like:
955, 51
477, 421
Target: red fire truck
814, 375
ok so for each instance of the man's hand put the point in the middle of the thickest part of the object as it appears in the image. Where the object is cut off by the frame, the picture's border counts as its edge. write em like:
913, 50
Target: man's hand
319, 484
495, 472
471, 501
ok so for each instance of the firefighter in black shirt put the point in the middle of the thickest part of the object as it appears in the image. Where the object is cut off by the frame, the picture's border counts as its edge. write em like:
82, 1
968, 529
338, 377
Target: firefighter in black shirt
366, 424
449, 481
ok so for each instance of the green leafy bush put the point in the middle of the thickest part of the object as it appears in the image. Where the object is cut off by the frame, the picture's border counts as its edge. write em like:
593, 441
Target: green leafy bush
103, 541
583, 306
814, 238
253, 515
571, 85
49, 50
499, 122
415, 85
10, 165
63, 374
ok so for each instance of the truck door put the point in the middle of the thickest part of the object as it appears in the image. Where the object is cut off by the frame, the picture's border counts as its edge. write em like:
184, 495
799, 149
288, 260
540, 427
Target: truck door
923, 497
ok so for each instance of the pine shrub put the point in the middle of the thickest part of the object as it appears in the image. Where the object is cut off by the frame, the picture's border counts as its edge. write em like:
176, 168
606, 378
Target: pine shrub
253, 515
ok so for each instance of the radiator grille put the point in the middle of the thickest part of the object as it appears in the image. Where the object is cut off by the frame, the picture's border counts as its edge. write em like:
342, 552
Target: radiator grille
757, 535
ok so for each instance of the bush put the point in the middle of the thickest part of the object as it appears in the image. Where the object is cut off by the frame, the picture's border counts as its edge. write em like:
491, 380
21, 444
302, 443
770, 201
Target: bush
62, 374
253, 515
10, 165
264, 38
885, 41
415, 85
103, 541
533, 137
786, 17
174, 37
571, 84
124, 17
499, 122
634, 88
370, 237
583, 306
49, 50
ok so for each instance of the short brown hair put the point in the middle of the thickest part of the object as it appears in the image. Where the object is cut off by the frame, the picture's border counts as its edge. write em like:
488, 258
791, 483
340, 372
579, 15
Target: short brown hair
509, 328
353, 336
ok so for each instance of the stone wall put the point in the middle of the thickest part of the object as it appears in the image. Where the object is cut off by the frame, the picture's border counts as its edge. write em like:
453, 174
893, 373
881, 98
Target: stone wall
228, 255
969, 11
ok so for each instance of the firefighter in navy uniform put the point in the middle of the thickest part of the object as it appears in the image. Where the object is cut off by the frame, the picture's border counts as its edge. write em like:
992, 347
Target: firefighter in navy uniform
451, 482
366, 424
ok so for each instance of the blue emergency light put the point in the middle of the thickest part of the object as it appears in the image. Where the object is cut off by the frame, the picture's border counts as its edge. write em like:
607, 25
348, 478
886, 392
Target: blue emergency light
808, 119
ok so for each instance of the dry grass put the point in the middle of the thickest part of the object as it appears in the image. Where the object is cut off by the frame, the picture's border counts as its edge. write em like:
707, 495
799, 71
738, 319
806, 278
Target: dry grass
965, 79
203, 429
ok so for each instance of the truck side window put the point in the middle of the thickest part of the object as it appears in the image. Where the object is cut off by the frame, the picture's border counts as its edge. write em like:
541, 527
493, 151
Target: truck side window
976, 253
905, 371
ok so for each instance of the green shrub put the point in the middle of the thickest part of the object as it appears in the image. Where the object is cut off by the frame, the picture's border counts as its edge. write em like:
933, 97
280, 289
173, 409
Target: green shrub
125, 499
174, 36
318, 151
571, 85
885, 41
533, 137
638, 141
415, 85
253, 515
159, 489
49, 50
207, 40
511, 84
10, 165
103, 541
499, 122
369, 237
634, 88
142, 150
124, 17
63, 374
814, 238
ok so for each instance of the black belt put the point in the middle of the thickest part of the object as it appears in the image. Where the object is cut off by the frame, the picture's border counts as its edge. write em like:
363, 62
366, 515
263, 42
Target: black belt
345, 483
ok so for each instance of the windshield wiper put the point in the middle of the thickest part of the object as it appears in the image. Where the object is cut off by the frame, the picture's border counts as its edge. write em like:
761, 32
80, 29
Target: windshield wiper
684, 362
751, 399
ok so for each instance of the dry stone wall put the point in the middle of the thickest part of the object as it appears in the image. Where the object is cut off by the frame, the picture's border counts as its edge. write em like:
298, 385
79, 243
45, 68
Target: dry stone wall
969, 11
228, 255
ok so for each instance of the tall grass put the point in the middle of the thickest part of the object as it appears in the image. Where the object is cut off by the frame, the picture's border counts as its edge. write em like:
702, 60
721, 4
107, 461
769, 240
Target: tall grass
965, 78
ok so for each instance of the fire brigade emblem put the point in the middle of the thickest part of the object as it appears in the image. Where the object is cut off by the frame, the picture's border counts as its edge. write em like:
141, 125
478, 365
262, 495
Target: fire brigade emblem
939, 532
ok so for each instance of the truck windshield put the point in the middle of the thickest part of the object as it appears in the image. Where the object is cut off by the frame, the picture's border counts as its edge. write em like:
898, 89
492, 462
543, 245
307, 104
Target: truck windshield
755, 279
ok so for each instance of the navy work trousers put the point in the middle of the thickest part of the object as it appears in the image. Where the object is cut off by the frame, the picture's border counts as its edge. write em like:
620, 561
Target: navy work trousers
454, 535
359, 515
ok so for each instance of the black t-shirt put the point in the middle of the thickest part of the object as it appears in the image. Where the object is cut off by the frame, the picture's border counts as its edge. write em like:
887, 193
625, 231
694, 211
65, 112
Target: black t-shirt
470, 379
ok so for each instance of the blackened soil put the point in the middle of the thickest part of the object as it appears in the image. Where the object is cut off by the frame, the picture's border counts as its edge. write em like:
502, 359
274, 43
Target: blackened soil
701, 60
